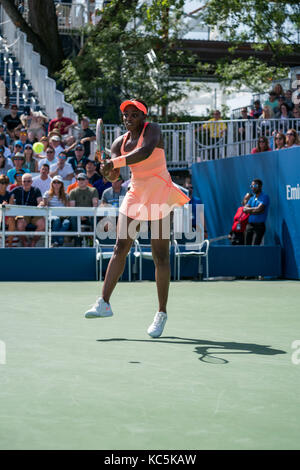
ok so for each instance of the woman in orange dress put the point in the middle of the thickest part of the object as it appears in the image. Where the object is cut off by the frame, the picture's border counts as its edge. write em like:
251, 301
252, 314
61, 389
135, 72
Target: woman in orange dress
152, 197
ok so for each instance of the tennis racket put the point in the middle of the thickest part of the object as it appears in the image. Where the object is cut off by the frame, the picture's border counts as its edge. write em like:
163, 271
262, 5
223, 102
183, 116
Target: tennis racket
100, 141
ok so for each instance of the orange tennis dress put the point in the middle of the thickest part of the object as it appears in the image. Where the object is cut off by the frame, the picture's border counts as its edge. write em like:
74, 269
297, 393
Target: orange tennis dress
152, 194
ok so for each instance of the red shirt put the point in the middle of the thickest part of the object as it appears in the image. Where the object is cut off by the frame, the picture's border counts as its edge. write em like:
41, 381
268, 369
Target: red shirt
60, 124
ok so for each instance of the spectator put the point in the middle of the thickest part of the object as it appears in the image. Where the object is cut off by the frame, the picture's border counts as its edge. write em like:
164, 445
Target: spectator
45, 141
56, 197
28, 196
5, 162
194, 202
35, 122
18, 147
63, 169
216, 131
17, 180
292, 138
264, 121
62, 123
242, 129
92, 174
288, 99
257, 208
12, 121
82, 196
256, 111
75, 183
30, 162
3, 144
112, 196
272, 102
50, 158
240, 220
278, 90
5, 198
284, 117
79, 161
42, 181
101, 184
23, 136
279, 141
262, 145
296, 118
87, 135
18, 160
55, 142
70, 144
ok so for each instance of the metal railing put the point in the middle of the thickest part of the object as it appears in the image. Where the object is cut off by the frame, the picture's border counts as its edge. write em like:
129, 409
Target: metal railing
187, 143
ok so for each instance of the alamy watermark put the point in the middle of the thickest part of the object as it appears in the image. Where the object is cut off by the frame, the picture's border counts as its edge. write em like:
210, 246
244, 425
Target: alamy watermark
296, 354
2, 353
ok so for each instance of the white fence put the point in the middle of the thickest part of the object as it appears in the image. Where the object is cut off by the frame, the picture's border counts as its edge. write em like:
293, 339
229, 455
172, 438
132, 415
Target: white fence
30, 62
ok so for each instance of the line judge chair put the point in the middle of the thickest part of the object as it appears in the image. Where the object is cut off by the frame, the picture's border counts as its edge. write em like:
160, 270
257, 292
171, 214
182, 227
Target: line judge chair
104, 251
190, 250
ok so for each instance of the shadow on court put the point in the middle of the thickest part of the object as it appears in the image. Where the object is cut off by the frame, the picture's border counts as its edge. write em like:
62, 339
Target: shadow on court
202, 347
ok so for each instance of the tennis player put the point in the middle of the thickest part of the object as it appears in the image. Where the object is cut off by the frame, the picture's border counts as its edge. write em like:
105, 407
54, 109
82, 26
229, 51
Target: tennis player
152, 197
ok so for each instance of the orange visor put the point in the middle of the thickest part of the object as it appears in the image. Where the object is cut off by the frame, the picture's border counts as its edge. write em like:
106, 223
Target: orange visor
135, 103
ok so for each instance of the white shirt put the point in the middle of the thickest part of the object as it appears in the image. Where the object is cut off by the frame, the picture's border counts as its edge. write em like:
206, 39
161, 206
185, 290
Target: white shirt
57, 150
45, 160
43, 185
66, 171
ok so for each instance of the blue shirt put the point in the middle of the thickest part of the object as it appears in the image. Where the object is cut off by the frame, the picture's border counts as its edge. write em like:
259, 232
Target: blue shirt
255, 201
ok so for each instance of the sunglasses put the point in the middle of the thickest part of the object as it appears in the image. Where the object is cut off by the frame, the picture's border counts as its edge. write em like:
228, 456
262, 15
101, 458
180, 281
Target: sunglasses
62, 157
27, 181
81, 179
3, 182
56, 182
290, 133
79, 149
17, 158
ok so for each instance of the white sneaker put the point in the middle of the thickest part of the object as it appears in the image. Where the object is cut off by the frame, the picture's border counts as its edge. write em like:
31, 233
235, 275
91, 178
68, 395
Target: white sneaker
101, 309
157, 327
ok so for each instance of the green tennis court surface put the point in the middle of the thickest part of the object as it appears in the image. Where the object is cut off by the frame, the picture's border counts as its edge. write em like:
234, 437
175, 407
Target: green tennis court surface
224, 375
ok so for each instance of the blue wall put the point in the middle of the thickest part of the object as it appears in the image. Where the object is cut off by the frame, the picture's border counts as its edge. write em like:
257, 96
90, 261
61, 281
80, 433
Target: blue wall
222, 184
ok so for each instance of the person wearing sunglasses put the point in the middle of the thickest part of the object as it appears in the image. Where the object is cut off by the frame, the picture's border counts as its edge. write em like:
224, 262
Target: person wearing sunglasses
18, 160
5, 163
292, 138
257, 208
279, 141
50, 158
262, 145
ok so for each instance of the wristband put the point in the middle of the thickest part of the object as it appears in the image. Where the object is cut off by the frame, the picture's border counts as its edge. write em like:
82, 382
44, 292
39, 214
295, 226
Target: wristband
119, 162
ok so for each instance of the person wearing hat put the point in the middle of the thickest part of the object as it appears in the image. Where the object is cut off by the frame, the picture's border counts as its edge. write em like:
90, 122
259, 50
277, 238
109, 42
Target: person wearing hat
62, 168
114, 196
18, 180
12, 121
80, 159
151, 198
18, 160
82, 196
5, 163
18, 146
61, 122
55, 142
75, 183
87, 135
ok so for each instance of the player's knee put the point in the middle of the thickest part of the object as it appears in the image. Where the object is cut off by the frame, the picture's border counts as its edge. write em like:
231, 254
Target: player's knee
161, 258
121, 248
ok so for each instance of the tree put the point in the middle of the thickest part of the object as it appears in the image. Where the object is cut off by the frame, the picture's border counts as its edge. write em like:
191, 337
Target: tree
112, 64
266, 25
41, 30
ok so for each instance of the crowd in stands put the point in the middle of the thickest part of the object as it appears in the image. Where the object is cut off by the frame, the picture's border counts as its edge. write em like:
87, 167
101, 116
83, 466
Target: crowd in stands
63, 173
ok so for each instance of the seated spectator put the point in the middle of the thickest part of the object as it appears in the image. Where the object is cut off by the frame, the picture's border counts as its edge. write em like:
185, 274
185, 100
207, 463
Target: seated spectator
12, 121
113, 196
17, 147
22, 136
289, 99
45, 141
262, 145
292, 138
62, 123
86, 135
28, 196
272, 102
42, 181
240, 220
63, 169
18, 160
35, 122
56, 197
75, 183
279, 141
101, 185
79, 161
5, 162
70, 144
265, 125
50, 158
257, 207
3, 143
284, 117
256, 111
82, 196
296, 115
91, 171
30, 162
5, 198
56, 144
17, 180
278, 90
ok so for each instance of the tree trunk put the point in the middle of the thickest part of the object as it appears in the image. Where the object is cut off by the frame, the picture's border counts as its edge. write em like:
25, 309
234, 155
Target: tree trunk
43, 32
